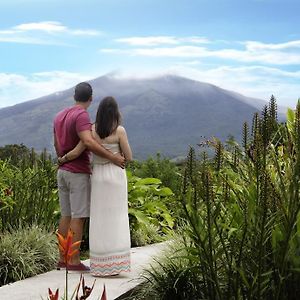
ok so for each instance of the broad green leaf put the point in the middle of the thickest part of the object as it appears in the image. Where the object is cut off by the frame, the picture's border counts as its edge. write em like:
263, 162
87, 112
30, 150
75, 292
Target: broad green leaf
164, 192
290, 119
139, 215
148, 181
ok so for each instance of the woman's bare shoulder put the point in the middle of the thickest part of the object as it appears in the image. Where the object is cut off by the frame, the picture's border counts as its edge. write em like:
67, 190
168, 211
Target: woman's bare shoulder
120, 130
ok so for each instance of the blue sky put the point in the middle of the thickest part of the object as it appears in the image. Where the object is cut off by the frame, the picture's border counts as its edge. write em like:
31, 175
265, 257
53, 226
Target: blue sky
248, 46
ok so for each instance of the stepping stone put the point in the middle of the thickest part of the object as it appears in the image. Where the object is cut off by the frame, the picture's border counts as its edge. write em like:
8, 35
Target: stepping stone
36, 288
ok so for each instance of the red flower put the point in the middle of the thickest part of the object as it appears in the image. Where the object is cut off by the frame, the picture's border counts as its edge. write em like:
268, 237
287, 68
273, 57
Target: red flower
86, 291
66, 246
103, 297
53, 296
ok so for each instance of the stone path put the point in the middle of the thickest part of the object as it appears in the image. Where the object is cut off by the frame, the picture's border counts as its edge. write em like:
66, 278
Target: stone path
36, 288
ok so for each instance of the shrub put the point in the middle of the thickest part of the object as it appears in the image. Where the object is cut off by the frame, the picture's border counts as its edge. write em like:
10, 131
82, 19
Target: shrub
242, 211
26, 252
149, 217
145, 234
28, 193
171, 276
158, 167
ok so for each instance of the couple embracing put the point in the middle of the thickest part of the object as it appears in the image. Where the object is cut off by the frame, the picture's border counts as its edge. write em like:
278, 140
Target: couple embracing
98, 192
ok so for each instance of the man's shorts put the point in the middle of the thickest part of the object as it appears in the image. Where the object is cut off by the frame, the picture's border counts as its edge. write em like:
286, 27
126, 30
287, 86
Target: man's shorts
74, 194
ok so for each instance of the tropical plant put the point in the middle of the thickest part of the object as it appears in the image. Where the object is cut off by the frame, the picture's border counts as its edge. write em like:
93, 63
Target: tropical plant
28, 193
148, 212
68, 249
26, 252
242, 213
14, 153
169, 276
158, 167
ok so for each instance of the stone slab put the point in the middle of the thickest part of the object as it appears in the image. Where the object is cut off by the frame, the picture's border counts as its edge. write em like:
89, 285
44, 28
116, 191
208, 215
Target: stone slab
36, 288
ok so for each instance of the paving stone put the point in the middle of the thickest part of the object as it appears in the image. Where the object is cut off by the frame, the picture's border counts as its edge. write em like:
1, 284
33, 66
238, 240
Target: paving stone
36, 288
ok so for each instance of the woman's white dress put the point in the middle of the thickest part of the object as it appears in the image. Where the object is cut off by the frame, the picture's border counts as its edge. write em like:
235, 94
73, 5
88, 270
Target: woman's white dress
109, 223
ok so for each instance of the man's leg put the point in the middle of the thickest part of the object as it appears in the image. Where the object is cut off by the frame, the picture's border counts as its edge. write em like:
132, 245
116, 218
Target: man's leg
80, 207
65, 208
63, 227
76, 226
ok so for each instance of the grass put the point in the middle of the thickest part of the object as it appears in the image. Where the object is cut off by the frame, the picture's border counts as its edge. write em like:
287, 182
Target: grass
26, 252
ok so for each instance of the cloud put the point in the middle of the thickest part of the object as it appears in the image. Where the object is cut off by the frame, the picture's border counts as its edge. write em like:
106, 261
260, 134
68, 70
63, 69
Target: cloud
255, 46
251, 52
17, 88
252, 68
161, 40
178, 51
48, 26
44, 33
257, 56
253, 81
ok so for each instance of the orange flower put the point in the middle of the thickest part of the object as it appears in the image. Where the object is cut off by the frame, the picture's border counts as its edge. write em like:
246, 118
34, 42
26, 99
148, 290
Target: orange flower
53, 296
66, 246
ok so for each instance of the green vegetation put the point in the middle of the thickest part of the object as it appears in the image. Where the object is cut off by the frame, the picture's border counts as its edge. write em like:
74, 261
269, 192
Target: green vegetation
158, 167
241, 232
15, 153
149, 215
29, 198
28, 213
28, 191
169, 174
25, 252
237, 225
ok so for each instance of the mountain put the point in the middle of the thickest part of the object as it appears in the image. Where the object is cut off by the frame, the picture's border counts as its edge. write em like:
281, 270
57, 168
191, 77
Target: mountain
165, 114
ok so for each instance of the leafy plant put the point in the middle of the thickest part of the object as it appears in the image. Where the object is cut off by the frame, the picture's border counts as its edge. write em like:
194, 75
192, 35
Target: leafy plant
28, 193
242, 214
68, 249
14, 153
158, 167
26, 252
171, 276
147, 208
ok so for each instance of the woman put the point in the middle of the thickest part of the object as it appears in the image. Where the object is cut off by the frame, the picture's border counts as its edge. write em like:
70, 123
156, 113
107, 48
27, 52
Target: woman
109, 224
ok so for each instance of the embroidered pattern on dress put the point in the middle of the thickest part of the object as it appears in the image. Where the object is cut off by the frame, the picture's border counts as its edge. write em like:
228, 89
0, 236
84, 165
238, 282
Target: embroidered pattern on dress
110, 265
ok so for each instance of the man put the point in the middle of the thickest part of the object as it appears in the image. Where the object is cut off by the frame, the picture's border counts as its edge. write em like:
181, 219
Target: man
70, 126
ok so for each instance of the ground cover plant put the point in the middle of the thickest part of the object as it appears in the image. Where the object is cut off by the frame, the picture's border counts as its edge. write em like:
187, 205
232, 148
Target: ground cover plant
242, 221
26, 252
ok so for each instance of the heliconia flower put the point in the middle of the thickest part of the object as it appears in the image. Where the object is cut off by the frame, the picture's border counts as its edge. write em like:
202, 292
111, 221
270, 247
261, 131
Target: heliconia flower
53, 296
66, 246
85, 289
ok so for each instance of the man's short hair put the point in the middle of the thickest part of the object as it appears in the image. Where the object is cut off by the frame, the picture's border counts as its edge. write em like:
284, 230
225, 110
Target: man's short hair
83, 92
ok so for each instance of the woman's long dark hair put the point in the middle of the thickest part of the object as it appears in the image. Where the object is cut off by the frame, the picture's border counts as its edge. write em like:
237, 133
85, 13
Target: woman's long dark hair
108, 117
